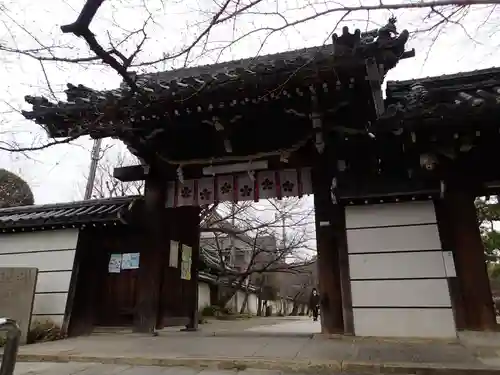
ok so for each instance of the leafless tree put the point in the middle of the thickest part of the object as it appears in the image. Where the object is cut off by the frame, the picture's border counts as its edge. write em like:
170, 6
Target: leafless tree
148, 46
105, 185
298, 285
248, 246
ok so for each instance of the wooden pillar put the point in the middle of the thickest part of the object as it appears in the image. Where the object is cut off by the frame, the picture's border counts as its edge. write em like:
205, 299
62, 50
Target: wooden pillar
469, 259
191, 237
446, 236
89, 279
152, 255
329, 220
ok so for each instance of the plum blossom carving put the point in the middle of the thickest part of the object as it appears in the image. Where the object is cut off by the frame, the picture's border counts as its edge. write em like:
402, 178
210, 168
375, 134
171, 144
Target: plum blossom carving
245, 191
267, 184
288, 186
226, 188
186, 192
205, 194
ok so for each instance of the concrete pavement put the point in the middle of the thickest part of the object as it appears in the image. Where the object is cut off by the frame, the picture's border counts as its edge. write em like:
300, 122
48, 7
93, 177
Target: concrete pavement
42, 368
271, 326
291, 354
298, 326
268, 350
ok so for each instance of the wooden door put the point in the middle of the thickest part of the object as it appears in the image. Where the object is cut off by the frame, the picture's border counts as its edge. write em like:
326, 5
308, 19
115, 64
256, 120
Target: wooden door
117, 298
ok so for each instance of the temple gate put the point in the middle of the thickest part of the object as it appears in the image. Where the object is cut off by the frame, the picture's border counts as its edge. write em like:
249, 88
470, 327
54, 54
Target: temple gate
394, 180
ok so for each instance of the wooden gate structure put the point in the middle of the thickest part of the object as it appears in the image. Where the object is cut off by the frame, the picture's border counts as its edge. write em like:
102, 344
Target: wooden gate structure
394, 180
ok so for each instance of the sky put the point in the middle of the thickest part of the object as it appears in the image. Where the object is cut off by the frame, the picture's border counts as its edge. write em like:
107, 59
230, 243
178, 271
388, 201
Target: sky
57, 174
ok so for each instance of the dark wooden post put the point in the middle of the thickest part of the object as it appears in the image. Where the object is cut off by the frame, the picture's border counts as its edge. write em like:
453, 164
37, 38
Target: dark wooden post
152, 255
329, 219
191, 237
88, 280
446, 236
469, 259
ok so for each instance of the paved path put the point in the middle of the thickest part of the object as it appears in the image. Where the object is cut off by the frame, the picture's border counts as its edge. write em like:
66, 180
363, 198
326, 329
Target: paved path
269, 351
304, 325
283, 326
43, 368
276, 353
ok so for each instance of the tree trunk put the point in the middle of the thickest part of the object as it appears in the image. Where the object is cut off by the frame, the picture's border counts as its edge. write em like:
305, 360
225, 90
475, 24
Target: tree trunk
295, 301
259, 303
244, 304
226, 295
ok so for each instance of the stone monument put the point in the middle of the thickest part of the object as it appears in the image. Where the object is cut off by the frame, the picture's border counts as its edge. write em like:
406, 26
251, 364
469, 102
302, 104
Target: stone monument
17, 292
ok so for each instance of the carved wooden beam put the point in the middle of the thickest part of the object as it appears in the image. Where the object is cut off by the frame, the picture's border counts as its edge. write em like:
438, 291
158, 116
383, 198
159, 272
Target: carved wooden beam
374, 76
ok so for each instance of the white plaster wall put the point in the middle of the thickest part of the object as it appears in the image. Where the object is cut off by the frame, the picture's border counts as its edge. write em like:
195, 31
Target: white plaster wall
394, 239
238, 297
407, 322
203, 295
53, 253
397, 265
284, 307
253, 304
235, 302
397, 269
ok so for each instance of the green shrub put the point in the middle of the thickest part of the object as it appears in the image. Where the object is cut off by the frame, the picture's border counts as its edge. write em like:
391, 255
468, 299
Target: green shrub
210, 311
42, 331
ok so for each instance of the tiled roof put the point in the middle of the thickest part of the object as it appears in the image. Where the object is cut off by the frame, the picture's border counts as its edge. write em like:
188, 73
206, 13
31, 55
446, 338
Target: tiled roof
211, 260
469, 93
63, 214
166, 94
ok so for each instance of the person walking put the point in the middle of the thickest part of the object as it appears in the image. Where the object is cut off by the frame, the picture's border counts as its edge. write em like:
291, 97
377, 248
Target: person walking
314, 304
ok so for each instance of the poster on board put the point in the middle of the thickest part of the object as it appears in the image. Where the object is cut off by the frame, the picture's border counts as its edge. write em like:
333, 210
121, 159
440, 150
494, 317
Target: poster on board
174, 254
115, 263
186, 262
130, 261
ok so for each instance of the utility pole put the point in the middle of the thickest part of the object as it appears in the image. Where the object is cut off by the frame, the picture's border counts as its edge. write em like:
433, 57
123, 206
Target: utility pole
284, 232
283, 228
94, 160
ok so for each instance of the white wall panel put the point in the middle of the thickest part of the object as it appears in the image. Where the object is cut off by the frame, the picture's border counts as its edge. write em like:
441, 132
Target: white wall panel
50, 304
253, 304
379, 215
46, 261
397, 265
39, 241
401, 293
406, 238
53, 282
53, 253
409, 322
398, 283
203, 295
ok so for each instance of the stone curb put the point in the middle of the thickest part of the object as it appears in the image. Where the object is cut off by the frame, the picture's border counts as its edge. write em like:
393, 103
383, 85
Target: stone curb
416, 368
389, 340
308, 367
